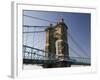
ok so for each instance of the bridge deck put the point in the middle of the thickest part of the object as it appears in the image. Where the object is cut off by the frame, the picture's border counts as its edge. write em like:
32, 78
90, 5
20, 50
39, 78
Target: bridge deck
53, 62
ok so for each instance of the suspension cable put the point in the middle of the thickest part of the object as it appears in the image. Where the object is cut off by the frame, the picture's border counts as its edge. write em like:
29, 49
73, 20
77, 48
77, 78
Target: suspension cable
74, 41
75, 52
39, 18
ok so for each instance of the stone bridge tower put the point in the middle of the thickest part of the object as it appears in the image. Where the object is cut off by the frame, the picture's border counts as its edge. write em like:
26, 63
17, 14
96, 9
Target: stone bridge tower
50, 43
57, 43
61, 43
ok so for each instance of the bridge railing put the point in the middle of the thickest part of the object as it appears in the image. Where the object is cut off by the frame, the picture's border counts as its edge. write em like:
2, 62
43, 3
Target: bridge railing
75, 59
34, 53
37, 54
81, 59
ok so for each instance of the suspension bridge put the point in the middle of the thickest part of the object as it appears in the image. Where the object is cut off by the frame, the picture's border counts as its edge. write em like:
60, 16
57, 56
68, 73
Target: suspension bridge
34, 50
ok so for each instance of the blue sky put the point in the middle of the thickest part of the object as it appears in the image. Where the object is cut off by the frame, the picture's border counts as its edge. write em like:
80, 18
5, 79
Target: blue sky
78, 26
